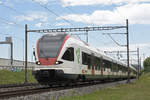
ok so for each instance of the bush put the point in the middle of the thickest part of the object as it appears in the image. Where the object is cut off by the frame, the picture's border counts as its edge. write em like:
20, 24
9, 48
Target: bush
147, 64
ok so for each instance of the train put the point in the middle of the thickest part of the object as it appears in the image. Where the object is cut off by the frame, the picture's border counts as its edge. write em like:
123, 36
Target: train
63, 57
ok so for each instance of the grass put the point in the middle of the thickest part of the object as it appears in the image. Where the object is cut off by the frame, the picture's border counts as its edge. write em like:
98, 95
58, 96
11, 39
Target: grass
9, 77
133, 91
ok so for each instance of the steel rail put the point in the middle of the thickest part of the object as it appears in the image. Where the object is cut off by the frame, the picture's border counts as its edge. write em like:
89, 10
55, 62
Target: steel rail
17, 85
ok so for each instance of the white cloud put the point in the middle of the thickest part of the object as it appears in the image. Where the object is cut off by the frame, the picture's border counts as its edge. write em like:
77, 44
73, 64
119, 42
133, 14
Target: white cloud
98, 2
10, 23
41, 1
62, 24
1, 2
43, 17
38, 24
134, 12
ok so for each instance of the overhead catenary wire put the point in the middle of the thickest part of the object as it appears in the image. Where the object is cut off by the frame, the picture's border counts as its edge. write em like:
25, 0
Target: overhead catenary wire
15, 10
11, 22
71, 10
4, 34
57, 15
12, 36
8, 21
115, 40
2, 21
11, 8
75, 12
52, 12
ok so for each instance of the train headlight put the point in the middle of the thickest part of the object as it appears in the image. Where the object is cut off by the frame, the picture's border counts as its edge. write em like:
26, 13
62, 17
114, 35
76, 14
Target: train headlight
38, 63
58, 62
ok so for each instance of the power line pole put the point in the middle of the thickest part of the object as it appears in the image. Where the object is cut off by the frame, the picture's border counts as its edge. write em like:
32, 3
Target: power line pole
8, 40
11, 44
128, 59
138, 62
26, 53
87, 36
140, 66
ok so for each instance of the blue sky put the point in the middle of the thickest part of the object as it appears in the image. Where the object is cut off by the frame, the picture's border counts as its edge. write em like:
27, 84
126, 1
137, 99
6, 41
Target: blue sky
14, 14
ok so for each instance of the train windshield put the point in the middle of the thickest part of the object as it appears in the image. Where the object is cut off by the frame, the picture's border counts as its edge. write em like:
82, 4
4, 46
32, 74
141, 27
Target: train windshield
49, 45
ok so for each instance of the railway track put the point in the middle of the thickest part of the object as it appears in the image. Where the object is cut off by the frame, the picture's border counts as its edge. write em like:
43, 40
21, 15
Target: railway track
12, 87
16, 85
14, 93
56, 87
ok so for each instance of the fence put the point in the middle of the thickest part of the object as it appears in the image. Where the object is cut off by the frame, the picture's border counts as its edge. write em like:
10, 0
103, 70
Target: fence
15, 68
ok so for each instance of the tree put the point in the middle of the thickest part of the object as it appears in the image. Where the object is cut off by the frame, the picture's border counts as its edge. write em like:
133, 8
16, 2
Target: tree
147, 64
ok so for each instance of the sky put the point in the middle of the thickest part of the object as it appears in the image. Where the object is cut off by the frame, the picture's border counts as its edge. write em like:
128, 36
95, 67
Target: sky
48, 14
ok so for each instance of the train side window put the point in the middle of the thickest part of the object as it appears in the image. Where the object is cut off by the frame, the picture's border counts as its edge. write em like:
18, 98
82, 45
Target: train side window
94, 60
101, 64
111, 68
104, 69
84, 58
89, 61
123, 69
114, 67
69, 54
106, 64
97, 63
117, 68
120, 68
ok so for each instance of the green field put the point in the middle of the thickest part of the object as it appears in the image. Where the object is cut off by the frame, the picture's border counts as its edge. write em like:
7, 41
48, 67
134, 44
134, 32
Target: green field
9, 77
133, 91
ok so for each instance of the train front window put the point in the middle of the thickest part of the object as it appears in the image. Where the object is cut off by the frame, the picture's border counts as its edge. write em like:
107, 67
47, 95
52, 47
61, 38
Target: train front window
69, 54
49, 46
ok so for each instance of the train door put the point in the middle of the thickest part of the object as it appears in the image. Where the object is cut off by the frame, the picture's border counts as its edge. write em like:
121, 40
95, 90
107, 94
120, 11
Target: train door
101, 66
78, 65
92, 63
68, 57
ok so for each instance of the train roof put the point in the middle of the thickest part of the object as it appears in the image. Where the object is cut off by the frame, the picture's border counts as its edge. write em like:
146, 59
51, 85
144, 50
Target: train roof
96, 50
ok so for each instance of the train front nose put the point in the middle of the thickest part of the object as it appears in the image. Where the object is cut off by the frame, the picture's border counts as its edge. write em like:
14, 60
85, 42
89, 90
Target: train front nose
47, 76
52, 74
48, 50
49, 47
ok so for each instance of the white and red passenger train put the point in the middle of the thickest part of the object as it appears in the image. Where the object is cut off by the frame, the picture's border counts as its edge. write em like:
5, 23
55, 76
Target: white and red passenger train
62, 57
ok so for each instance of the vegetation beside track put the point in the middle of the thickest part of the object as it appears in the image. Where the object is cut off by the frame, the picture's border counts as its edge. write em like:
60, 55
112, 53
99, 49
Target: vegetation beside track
133, 91
9, 77
147, 64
